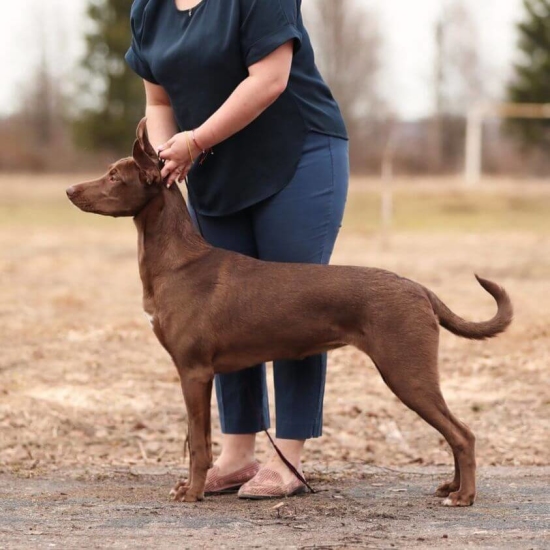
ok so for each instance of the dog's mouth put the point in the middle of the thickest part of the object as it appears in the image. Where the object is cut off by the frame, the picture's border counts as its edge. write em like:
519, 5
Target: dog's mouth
84, 206
80, 201
75, 197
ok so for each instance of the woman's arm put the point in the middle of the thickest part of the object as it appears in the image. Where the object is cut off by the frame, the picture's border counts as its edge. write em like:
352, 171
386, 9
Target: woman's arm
161, 124
267, 80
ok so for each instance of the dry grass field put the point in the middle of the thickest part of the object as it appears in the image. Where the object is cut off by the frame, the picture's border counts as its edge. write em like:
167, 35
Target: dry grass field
83, 381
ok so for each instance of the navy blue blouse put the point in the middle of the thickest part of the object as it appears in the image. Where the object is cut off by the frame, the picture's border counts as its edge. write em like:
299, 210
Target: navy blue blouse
200, 56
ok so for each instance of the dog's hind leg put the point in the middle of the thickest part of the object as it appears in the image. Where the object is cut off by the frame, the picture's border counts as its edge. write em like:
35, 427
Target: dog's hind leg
445, 489
409, 368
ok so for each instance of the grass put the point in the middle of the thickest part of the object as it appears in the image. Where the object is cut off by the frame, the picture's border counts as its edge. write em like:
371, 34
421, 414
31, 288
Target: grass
421, 210
80, 368
440, 206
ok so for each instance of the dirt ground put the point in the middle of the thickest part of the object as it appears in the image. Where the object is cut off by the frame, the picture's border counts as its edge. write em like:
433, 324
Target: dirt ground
92, 422
128, 508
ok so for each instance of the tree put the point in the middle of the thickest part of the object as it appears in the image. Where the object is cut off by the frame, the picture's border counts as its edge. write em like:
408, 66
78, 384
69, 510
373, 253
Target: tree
531, 82
111, 98
348, 45
41, 101
35, 133
459, 71
348, 48
458, 81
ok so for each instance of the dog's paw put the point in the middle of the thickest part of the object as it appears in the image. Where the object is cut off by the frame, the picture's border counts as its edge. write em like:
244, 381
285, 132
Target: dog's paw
182, 492
446, 489
456, 500
178, 491
191, 496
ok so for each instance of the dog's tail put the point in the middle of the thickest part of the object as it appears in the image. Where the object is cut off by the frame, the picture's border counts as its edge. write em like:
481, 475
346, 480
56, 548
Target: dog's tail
476, 331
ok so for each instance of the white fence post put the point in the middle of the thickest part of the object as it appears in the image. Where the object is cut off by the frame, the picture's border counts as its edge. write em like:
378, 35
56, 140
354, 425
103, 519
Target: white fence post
474, 143
474, 130
386, 203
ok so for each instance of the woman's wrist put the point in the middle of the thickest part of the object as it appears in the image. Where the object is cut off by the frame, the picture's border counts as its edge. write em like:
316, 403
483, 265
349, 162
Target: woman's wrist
197, 142
201, 146
203, 139
191, 149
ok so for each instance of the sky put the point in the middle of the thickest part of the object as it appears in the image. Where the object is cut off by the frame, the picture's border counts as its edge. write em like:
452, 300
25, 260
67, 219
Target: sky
406, 27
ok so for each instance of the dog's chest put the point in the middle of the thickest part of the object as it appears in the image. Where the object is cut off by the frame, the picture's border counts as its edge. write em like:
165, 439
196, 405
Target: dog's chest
150, 317
149, 307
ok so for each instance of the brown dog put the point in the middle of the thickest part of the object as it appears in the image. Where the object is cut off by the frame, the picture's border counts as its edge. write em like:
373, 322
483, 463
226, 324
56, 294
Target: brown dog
216, 311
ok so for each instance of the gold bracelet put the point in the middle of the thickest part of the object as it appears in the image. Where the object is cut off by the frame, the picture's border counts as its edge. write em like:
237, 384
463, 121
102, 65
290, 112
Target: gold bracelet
204, 152
197, 143
189, 147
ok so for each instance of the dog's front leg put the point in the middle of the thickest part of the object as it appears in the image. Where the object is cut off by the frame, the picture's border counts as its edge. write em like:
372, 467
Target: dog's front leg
197, 392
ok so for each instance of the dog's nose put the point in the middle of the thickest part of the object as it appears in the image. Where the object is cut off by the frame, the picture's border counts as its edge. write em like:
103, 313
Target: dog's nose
71, 191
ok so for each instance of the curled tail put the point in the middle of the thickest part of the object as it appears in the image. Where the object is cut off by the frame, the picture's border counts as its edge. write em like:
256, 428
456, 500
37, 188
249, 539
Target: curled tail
476, 331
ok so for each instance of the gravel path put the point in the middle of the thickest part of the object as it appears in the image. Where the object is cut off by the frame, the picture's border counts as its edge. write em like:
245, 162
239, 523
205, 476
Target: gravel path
372, 508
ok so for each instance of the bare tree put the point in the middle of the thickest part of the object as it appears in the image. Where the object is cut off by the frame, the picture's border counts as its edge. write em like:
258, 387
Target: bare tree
38, 103
348, 44
459, 78
41, 101
458, 81
37, 134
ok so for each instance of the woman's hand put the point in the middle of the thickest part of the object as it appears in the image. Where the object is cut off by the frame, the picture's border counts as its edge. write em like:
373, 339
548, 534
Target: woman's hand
179, 154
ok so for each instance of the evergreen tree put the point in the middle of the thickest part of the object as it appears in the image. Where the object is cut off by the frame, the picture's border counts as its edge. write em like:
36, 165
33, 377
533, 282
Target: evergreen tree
531, 83
111, 98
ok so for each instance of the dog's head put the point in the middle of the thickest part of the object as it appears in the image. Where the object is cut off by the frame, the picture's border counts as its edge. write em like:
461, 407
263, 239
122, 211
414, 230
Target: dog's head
127, 187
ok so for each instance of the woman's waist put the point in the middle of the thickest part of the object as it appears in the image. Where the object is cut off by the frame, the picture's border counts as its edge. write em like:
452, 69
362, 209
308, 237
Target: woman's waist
317, 142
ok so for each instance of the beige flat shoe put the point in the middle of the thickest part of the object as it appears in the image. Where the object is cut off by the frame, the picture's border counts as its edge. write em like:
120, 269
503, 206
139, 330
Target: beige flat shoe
217, 484
269, 484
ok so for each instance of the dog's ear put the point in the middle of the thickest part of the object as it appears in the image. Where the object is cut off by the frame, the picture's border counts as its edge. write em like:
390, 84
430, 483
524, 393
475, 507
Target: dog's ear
143, 138
144, 154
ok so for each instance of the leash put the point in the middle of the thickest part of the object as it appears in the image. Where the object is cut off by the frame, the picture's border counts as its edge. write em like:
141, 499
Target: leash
161, 163
285, 460
192, 200
290, 466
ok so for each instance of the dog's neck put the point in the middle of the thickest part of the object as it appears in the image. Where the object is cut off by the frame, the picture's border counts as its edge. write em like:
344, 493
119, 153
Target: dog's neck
166, 235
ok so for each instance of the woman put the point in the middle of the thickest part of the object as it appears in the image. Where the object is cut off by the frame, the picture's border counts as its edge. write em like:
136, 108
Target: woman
238, 78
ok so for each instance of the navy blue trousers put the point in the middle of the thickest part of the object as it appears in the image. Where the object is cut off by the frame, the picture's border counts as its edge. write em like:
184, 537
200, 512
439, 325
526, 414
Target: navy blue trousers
298, 224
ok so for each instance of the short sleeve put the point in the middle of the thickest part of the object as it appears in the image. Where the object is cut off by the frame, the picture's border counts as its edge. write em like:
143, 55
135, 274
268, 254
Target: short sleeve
137, 64
266, 25
134, 56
